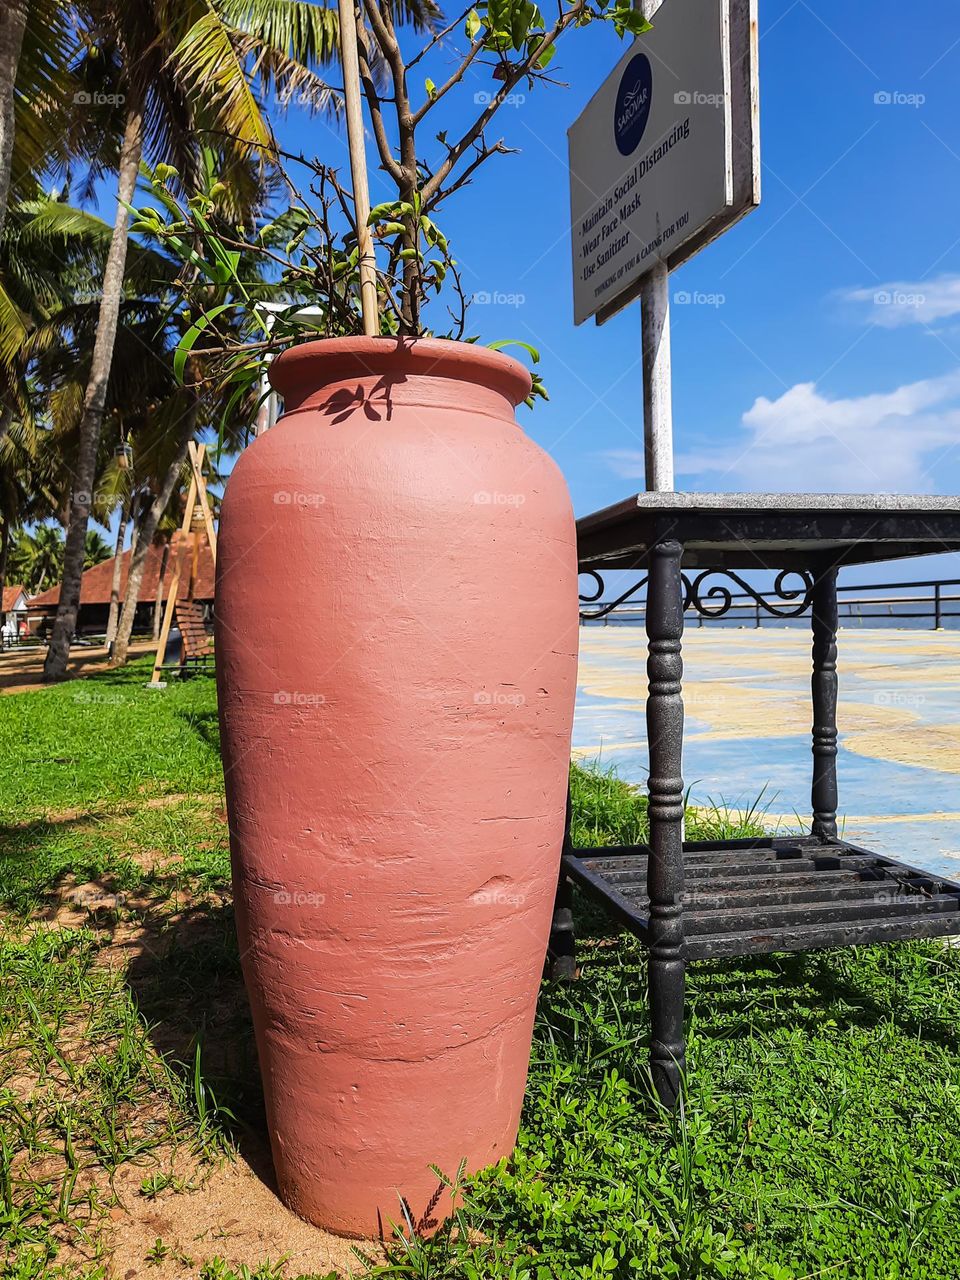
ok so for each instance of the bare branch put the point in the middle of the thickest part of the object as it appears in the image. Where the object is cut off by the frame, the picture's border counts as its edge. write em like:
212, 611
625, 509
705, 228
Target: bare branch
440, 36
461, 320
386, 38
483, 153
451, 83
374, 105
514, 74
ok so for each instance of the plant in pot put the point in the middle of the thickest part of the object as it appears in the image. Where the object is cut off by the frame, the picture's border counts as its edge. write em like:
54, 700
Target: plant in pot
396, 639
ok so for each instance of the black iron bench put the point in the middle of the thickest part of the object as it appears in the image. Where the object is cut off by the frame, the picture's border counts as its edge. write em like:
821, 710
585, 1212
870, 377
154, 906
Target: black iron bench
692, 900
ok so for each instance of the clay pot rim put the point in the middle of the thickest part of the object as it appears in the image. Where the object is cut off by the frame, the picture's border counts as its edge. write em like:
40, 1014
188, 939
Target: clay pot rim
309, 366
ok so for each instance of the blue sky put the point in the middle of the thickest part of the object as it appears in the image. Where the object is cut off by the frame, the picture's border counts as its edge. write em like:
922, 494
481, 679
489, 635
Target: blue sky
795, 376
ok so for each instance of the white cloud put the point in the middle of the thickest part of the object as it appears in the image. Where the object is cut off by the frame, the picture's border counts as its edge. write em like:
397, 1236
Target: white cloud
889, 442
902, 302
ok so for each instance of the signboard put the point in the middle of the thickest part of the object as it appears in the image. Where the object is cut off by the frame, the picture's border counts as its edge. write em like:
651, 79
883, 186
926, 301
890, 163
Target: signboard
665, 155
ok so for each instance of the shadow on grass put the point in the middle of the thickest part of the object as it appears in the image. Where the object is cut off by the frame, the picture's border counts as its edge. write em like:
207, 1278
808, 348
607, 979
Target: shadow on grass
816, 990
35, 857
205, 724
185, 975
178, 950
21, 838
850, 987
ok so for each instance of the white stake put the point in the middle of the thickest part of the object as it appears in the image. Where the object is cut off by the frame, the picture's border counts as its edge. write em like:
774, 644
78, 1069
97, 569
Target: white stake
358, 165
657, 385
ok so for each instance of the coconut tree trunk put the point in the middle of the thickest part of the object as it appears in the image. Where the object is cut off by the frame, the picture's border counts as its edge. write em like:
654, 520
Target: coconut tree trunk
138, 558
55, 666
13, 22
117, 570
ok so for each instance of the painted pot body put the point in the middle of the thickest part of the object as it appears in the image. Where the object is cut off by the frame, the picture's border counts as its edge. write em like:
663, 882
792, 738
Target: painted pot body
396, 638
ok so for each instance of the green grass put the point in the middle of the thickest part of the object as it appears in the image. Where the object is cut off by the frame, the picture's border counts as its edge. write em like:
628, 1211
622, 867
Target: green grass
94, 742
817, 1136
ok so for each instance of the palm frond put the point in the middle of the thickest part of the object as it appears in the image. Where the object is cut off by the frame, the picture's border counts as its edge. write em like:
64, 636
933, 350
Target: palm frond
43, 95
207, 62
14, 328
286, 81
304, 32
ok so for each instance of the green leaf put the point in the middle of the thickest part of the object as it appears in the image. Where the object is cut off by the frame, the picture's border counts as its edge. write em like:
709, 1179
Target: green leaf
430, 87
189, 339
381, 211
627, 19
532, 352
473, 24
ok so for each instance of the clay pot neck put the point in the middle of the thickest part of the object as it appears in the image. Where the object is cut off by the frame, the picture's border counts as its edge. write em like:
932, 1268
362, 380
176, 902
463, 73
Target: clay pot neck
340, 377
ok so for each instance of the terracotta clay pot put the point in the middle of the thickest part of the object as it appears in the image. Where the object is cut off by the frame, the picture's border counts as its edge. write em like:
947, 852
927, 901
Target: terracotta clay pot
396, 638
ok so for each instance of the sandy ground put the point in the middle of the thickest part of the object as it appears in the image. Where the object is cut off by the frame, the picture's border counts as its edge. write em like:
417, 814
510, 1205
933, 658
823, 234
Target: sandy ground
234, 1214
228, 1209
21, 668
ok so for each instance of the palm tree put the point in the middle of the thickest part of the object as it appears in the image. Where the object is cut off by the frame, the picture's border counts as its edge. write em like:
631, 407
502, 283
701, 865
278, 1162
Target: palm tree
22, 491
36, 558
184, 69
51, 260
13, 23
53, 322
35, 93
95, 549
114, 612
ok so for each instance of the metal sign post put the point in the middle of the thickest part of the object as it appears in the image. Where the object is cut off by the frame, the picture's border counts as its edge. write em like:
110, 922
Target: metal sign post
657, 377
657, 381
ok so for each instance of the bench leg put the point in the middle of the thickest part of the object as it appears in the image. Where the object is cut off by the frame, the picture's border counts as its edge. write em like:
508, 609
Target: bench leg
664, 619
824, 684
562, 951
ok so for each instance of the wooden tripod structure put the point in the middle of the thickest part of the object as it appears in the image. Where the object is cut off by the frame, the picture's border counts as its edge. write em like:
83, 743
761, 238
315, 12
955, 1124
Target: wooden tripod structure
196, 495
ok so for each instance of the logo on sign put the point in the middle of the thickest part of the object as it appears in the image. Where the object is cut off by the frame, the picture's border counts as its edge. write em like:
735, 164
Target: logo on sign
632, 110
